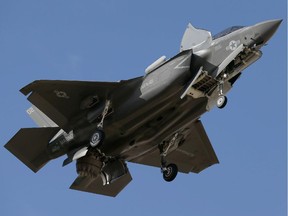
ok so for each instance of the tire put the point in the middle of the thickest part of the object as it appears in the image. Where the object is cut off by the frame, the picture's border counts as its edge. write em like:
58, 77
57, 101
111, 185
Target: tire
221, 102
170, 173
97, 138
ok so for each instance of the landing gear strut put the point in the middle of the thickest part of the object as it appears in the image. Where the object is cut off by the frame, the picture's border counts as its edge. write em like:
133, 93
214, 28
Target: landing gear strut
222, 99
98, 136
169, 171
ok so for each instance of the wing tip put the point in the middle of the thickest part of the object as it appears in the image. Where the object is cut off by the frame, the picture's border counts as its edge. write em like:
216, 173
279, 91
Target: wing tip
28, 88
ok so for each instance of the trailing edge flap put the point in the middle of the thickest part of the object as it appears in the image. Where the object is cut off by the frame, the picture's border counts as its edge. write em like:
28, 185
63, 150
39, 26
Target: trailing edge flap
194, 155
29, 145
95, 185
63, 100
40, 118
195, 39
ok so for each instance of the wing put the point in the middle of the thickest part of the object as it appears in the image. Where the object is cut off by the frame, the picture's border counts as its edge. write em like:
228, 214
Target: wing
194, 155
62, 101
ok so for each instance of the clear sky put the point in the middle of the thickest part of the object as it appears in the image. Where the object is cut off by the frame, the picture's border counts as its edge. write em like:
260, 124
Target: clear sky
110, 40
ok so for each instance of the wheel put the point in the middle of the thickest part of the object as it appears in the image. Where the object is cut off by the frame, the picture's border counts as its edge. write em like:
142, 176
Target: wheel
97, 138
170, 172
221, 101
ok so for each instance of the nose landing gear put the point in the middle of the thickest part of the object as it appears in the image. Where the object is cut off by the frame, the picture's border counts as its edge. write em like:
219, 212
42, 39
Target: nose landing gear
221, 101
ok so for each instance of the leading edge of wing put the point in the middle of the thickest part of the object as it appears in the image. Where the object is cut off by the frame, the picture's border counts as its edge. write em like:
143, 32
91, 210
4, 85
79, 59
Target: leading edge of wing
38, 83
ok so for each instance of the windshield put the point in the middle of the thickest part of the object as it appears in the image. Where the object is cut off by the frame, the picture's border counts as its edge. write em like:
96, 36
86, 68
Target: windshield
227, 31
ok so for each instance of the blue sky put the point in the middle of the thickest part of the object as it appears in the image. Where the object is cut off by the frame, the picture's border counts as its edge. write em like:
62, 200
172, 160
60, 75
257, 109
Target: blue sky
112, 40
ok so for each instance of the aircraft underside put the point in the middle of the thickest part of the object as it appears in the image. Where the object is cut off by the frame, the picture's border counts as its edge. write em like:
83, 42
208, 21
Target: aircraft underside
152, 120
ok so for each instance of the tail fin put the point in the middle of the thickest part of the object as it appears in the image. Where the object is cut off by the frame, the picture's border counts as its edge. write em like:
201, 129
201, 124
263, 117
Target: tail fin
29, 145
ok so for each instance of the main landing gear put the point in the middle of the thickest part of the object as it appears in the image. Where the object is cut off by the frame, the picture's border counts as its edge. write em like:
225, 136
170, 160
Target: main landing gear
169, 171
98, 136
222, 99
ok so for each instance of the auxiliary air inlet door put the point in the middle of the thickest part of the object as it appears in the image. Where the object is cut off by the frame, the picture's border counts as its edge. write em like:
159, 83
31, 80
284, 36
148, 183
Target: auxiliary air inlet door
195, 39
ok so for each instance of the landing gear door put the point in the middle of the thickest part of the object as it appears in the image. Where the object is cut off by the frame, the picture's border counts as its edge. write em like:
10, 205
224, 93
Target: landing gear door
195, 39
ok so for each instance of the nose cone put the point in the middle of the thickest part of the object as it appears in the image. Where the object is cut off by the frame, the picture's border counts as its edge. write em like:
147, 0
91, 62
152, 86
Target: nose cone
265, 30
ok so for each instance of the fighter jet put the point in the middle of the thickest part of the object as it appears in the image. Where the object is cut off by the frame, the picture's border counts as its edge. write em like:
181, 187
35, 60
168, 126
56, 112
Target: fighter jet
152, 120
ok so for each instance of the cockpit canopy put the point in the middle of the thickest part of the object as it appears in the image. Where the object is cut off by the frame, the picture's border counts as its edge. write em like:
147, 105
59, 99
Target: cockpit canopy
227, 31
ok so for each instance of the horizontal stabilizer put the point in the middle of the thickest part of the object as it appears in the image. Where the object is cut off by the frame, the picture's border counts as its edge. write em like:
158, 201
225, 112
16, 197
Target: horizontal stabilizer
95, 185
29, 145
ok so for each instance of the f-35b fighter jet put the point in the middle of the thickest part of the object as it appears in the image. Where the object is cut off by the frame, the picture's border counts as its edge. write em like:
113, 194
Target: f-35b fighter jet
151, 120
